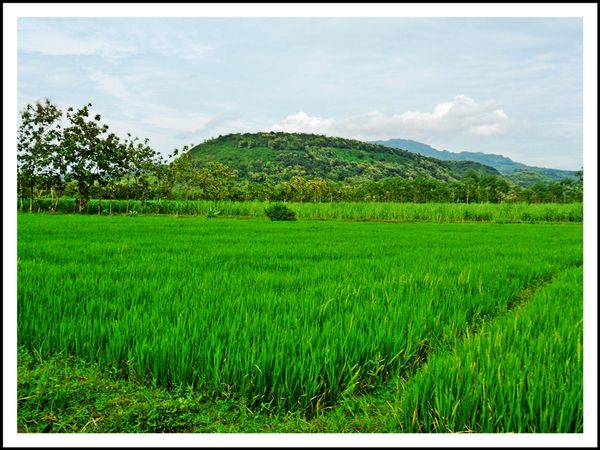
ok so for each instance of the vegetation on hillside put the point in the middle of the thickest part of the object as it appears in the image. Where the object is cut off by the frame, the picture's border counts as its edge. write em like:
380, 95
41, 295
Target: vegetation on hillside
84, 160
277, 156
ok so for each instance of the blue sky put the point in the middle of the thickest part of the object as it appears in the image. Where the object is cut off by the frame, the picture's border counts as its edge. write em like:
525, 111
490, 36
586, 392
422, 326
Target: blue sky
512, 86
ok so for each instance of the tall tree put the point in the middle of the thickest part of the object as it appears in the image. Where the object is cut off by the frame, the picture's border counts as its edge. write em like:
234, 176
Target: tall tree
92, 155
142, 165
181, 170
38, 149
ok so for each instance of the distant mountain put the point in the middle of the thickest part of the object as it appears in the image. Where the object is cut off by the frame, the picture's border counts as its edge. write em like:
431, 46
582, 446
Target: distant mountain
280, 156
519, 173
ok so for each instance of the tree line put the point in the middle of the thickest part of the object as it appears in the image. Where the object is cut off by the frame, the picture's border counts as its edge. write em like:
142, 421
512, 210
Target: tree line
76, 156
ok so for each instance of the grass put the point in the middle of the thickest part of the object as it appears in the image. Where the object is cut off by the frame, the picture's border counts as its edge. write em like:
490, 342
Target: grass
522, 373
354, 211
289, 318
60, 394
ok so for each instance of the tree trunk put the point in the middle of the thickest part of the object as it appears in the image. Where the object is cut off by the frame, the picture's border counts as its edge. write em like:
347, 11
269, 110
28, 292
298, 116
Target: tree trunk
170, 189
58, 195
31, 199
39, 199
80, 202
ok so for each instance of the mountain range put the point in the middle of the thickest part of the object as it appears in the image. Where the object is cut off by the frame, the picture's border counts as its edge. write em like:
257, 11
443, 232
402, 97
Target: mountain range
519, 173
276, 156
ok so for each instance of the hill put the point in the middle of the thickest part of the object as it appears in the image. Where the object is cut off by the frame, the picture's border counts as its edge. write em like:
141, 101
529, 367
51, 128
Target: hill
519, 173
280, 156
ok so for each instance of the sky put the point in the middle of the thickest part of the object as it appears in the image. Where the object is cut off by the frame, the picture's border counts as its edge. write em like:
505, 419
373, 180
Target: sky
510, 86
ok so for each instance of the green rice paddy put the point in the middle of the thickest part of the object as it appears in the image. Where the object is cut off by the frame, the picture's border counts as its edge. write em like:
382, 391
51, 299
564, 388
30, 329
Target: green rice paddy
299, 316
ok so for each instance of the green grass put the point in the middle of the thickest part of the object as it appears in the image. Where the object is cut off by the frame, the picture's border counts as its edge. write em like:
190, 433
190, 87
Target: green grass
522, 373
60, 394
356, 211
291, 318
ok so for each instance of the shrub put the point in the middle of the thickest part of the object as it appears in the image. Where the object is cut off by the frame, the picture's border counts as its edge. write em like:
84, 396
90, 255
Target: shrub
213, 212
279, 211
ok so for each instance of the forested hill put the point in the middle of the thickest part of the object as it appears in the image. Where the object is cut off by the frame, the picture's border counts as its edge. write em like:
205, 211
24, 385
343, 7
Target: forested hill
280, 156
520, 173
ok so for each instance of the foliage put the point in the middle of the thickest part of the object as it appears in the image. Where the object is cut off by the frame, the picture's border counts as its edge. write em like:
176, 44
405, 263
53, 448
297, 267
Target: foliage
279, 211
518, 173
213, 211
281, 156
83, 156
521, 373
40, 157
87, 161
287, 311
92, 155
359, 211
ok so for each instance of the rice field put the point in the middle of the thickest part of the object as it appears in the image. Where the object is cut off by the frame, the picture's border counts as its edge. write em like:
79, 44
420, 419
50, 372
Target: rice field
292, 316
521, 373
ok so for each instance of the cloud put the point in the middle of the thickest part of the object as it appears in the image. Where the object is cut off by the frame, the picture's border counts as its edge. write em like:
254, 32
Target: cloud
109, 84
461, 115
55, 41
181, 122
303, 122
195, 51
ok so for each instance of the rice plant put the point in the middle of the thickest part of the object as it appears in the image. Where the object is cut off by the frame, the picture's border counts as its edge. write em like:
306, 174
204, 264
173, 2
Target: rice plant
521, 373
284, 315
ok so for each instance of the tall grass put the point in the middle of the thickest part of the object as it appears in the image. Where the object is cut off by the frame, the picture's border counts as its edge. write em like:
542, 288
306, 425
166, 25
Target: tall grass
397, 212
522, 373
293, 316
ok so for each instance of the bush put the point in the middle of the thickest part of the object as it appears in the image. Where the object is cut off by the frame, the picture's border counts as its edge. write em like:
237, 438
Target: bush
279, 211
213, 212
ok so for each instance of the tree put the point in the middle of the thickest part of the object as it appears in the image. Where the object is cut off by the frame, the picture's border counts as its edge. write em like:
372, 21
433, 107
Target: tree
538, 192
180, 171
579, 175
470, 185
215, 180
92, 155
39, 155
143, 162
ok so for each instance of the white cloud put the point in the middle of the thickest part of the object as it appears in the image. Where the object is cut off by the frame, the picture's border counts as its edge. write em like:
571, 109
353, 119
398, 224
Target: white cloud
485, 130
109, 84
54, 41
303, 122
461, 115
175, 120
